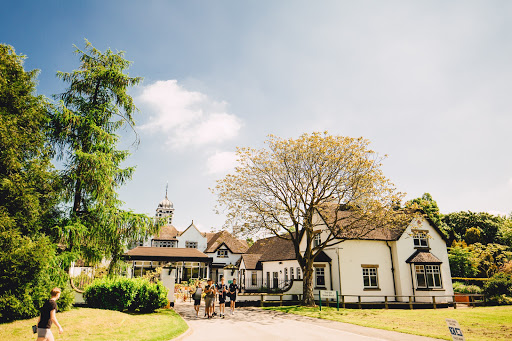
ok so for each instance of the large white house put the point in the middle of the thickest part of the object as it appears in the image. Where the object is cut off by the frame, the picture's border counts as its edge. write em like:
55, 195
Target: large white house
407, 261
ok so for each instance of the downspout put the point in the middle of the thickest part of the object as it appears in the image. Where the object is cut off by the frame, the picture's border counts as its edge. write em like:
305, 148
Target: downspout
330, 273
392, 268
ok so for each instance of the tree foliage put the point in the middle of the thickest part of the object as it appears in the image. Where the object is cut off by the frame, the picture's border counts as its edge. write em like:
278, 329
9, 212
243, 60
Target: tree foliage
92, 109
281, 189
428, 205
28, 193
477, 227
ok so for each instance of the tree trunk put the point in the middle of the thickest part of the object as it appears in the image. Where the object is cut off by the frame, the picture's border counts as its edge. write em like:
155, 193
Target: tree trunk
308, 298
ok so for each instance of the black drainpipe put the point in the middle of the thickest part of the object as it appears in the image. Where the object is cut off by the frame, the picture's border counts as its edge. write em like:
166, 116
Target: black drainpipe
392, 268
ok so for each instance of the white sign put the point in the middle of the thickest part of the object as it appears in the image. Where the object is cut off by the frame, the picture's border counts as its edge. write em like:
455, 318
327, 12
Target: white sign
455, 331
328, 294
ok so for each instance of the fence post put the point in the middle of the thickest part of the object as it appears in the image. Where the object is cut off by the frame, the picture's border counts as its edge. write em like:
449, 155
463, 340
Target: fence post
281, 303
320, 299
343, 301
434, 302
385, 302
337, 302
454, 303
261, 300
410, 302
359, 302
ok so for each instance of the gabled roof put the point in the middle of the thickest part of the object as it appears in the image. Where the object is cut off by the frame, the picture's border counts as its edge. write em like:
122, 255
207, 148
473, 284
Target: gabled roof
215, 240
273, 248
167, 232
422, 256
372, 231
251, 261
192, 225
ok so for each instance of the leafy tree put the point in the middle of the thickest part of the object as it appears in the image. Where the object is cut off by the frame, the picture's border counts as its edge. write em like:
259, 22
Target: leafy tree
490, 258
28, 193
280, 190
428, 205
459, 222
92, 109
462, 261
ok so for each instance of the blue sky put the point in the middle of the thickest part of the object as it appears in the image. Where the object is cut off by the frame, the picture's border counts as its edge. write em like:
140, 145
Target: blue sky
427, 82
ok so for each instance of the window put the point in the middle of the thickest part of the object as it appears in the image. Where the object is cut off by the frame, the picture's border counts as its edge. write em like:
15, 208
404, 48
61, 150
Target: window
298, 273
275, 283
222, 253
428, 276
191, 245
320, 277
254, 278
420, 239
286, 274
317, 240
291, 273
370, 277
268, 279
163, 243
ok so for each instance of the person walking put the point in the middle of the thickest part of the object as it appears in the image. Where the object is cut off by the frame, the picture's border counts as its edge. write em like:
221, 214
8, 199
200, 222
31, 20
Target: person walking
47, 317
209, 290
233, 288
222, 288
197, 297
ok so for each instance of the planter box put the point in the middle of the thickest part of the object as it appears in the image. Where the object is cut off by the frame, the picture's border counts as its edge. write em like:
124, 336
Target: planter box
462, 298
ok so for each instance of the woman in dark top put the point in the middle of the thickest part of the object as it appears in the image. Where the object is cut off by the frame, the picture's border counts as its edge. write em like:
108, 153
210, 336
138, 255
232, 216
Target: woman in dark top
48, 312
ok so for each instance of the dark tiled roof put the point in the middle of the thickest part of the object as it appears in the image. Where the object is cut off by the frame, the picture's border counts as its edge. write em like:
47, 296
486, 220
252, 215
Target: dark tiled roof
167, 232
215, 240
142, 252
251, 261
350, 228
423, 257
273, 248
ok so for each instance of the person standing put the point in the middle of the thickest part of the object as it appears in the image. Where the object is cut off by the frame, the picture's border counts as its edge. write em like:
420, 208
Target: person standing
233, 289
48, 316
209, 290
222, 288
197, 297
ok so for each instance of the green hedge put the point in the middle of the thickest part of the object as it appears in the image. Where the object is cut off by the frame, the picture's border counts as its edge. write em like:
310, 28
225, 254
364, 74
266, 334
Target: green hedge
120, 293
498, 285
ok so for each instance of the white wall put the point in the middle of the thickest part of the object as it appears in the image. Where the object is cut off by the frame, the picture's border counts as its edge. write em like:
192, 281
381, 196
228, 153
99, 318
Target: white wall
405, 248
192, 234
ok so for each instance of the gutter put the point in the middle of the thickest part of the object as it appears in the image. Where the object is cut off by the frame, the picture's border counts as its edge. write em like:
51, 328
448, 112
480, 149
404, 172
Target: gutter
392, 268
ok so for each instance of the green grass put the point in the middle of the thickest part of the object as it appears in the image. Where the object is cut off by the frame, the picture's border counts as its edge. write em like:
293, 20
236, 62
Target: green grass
481, 323
97, 324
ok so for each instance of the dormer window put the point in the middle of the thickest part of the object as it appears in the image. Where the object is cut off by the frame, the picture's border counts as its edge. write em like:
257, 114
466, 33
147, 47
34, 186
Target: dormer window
222, 253
420, 239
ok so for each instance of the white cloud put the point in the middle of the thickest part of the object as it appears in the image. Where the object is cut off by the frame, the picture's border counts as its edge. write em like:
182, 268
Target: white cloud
221, 162
187, 117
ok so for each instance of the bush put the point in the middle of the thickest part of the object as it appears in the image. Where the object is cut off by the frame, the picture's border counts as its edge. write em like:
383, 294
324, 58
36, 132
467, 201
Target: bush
462, 288
121, 294
499, 284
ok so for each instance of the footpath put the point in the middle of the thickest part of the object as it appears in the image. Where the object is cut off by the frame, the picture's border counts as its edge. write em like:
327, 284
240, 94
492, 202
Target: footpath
257, 324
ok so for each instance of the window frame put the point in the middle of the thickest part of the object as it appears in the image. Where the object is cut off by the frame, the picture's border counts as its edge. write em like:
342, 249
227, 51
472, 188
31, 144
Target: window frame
224, 253
370, 272
319, 273
431, 276
420, 239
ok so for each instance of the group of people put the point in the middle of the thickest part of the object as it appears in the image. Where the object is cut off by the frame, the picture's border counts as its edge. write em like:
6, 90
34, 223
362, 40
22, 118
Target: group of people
212, 291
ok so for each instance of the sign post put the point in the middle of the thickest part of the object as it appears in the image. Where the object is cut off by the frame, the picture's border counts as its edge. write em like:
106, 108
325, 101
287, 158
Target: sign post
320, 299
455, 331
327, 294
337, 302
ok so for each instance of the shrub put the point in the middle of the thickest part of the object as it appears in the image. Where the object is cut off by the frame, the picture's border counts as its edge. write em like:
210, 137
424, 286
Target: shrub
499, 284
121, 294
462, 288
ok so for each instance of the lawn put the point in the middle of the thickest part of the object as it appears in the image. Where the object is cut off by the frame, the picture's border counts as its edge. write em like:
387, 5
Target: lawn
96, 324
481, 323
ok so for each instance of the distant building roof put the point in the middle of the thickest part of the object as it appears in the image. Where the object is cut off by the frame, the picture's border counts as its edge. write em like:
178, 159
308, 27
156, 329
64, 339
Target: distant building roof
167, 232
273, 248
215, 240
251, 261
166, 254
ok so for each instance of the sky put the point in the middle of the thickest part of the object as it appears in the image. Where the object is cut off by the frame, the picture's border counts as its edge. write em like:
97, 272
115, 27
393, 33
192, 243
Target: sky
427, 82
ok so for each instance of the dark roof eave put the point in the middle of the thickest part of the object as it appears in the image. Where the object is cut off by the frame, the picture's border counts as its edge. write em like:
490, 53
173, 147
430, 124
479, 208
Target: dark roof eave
168, 258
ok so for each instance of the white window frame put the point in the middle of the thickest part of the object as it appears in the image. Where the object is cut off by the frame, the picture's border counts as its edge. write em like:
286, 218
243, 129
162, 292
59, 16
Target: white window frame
319, 273
317, 240
190, 245
420, 239
298, 273
286, 274
291, 272
254, 278
429, 275
370, 277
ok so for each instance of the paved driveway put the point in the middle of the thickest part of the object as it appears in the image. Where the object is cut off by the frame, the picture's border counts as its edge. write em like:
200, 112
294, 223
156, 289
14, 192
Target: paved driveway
262, 325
